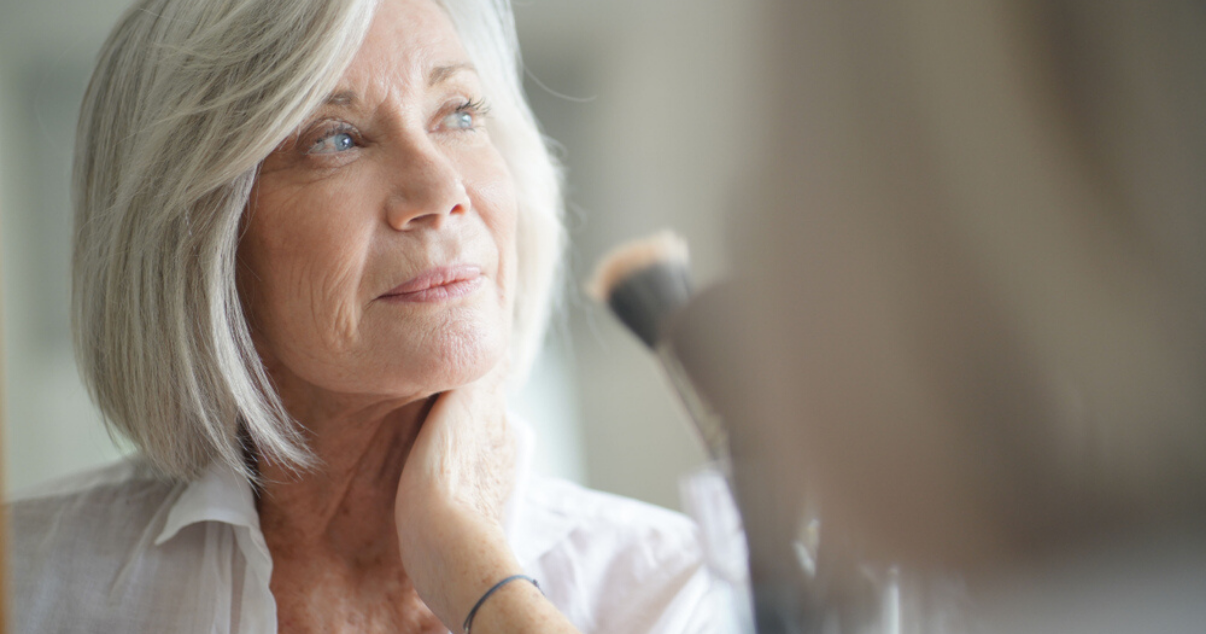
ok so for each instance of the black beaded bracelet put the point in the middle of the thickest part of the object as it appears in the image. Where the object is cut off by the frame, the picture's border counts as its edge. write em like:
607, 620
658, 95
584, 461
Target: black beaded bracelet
492, 590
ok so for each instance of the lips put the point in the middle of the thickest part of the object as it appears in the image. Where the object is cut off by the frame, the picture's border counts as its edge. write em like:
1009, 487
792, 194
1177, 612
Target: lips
437, 284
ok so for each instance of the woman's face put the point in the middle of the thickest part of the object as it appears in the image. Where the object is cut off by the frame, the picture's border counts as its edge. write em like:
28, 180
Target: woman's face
379, 252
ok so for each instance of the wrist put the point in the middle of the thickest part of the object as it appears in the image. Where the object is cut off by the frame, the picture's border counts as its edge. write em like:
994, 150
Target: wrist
453, 562
496, 589
518, 606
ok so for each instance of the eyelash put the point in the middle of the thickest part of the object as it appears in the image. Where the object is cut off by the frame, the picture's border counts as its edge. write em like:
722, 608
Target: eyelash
330, 132
476, 107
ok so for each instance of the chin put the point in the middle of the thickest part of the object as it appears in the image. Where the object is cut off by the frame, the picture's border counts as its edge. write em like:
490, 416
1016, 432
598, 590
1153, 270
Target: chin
463, 360
456, 356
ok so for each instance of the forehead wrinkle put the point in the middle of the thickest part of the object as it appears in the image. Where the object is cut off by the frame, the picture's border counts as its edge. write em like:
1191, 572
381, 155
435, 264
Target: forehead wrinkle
411, 44
439, 74
348, 99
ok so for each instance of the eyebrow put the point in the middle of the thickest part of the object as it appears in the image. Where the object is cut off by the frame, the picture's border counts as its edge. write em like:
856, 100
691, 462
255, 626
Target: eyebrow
442, 73
341, 98
438, 74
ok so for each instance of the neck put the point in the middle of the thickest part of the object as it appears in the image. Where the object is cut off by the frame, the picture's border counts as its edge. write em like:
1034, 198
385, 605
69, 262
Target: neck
331, 530
344, 506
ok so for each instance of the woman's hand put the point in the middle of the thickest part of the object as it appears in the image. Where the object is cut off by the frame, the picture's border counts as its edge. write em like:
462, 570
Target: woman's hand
450, 499
449, 516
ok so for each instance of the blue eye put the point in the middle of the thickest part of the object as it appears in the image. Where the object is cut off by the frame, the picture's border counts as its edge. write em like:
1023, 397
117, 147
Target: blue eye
332, 143
460, 119
467, 116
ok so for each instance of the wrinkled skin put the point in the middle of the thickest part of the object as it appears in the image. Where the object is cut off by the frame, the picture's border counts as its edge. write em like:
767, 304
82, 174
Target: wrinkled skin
399, 528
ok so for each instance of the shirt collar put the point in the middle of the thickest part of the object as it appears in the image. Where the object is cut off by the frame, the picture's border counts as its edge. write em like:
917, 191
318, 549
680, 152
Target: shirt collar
219, 495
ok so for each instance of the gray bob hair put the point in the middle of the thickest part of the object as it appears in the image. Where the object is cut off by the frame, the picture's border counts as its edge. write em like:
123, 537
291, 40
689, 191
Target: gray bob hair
187, 98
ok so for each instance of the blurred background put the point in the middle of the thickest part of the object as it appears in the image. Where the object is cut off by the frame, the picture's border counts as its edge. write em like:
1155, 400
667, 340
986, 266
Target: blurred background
627, 90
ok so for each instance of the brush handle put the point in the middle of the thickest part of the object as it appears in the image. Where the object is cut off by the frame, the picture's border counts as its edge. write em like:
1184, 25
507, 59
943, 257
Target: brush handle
708, 422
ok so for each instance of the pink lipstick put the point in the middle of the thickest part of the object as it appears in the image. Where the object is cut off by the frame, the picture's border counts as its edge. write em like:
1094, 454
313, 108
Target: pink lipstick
437, 285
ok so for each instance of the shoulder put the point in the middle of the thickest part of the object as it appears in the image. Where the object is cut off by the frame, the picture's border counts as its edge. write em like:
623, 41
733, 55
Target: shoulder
76, 537
612, 563
115, 496
113, 489
127, 470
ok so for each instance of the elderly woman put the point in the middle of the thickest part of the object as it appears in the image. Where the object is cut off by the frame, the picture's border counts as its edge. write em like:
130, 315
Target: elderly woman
315, 241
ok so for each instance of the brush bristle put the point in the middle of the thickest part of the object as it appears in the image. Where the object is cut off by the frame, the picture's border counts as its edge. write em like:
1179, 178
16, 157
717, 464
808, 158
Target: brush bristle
628, 258
645, 282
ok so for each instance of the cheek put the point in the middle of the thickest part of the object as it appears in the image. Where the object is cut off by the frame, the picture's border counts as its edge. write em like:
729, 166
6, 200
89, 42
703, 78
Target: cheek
320, 292
300, 276
496, 197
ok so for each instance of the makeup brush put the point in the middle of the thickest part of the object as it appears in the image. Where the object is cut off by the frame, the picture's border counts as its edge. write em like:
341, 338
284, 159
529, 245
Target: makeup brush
646, 282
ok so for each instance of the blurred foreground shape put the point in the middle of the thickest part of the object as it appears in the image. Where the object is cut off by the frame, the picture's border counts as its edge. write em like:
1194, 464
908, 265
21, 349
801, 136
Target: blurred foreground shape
968, 324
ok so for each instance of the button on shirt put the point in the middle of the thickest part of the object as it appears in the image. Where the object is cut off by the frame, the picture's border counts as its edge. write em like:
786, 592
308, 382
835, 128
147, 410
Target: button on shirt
122, 550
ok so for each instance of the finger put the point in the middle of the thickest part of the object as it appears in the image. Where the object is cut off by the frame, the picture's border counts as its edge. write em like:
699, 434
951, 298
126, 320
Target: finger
465, 448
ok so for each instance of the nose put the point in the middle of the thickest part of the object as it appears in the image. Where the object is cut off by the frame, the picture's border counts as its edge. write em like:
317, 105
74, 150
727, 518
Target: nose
427, 189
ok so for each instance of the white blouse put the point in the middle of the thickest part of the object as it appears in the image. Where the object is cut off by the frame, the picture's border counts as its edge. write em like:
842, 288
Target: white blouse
119, 550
